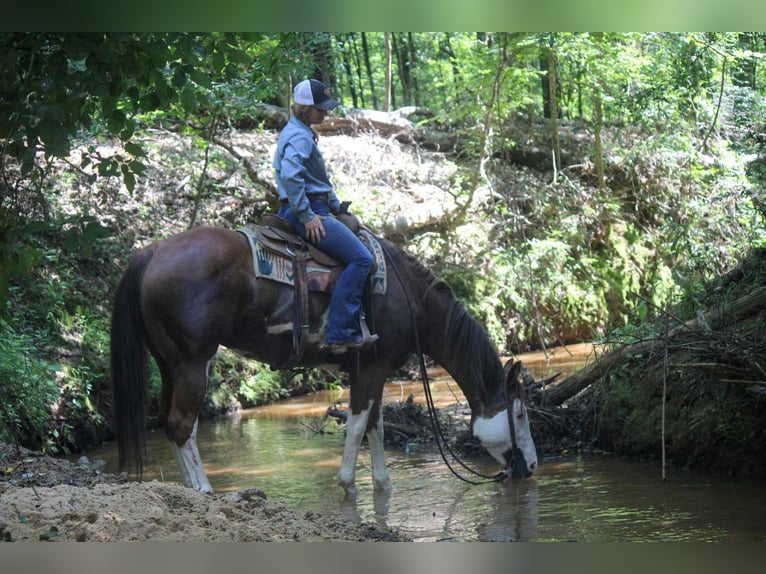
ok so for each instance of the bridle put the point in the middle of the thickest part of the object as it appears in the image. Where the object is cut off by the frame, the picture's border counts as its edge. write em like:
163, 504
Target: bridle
441, 441
511, 458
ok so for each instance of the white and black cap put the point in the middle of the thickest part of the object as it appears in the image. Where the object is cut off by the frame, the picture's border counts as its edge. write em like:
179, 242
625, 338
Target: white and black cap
314, 93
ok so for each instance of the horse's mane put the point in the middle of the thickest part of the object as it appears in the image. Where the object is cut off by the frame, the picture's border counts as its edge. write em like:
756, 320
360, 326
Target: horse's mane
467, 338
463, 334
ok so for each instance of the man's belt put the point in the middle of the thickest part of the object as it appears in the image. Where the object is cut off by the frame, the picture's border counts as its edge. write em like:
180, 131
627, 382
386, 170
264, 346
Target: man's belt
312, 197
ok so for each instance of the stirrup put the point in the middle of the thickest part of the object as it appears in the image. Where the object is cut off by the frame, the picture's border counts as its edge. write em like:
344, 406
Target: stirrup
356, 346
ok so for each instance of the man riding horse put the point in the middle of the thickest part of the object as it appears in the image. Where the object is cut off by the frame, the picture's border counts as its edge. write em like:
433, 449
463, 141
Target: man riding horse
308, 200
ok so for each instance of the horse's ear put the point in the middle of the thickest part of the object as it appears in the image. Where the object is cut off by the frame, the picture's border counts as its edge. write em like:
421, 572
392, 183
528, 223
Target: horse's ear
512, 369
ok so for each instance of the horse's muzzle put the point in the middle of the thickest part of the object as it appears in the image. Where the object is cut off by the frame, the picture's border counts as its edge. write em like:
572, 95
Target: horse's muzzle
517, 466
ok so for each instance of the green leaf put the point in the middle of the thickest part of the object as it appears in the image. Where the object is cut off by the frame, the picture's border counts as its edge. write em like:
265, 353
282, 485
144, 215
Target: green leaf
134, 149
94, 230
218, 61
108, 168
200, 78
73, 66
179, 78
127, 132
137, 167
129, 180
188, 100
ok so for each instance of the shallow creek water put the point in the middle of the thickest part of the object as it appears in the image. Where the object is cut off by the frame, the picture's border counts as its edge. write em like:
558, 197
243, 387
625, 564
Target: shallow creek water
580, 498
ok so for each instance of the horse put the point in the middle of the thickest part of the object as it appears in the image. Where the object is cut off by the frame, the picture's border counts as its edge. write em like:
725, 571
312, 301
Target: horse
182, 297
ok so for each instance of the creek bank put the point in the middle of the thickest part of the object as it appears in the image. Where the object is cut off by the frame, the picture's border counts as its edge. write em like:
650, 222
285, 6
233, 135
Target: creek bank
50, 499
688, 392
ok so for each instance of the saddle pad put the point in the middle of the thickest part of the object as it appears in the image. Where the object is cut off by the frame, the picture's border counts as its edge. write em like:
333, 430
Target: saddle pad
379, 277
268, 264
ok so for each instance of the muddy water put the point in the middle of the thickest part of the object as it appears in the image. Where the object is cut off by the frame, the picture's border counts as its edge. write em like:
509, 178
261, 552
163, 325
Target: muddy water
594, 498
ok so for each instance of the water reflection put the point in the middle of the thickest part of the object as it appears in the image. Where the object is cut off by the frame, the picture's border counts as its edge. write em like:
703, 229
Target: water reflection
515, 514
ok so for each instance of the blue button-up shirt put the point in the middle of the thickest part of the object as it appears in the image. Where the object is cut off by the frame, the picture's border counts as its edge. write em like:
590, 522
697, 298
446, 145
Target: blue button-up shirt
300, 170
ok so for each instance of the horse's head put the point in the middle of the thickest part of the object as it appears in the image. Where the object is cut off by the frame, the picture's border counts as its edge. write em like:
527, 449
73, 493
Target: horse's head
510, 444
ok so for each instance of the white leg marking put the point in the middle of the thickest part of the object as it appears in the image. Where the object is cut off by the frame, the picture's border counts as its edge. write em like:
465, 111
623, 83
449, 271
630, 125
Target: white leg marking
380, 478
190, 463
355, 425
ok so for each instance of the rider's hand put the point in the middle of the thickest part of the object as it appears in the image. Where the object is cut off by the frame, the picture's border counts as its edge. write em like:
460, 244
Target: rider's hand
315, 229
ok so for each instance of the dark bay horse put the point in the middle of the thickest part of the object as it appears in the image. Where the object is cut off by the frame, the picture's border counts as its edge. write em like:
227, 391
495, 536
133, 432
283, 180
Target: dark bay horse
182, 297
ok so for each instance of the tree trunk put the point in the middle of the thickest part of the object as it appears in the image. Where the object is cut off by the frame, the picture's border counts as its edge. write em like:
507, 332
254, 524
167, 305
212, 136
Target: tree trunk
446, 46
347, 69
321, 53
554, 108
599, 123
544, 82
598, 150
370, 78
412, 64
358, 66
400, 51
387, 103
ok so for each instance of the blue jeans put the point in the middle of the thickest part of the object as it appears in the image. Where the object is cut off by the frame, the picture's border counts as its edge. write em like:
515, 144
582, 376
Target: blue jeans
341, 244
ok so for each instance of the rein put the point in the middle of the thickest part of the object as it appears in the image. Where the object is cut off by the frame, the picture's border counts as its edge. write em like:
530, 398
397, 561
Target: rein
441, 441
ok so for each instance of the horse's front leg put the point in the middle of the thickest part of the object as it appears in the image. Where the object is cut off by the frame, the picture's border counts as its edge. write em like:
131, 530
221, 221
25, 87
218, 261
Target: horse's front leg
190, 463
380, 478
355, 428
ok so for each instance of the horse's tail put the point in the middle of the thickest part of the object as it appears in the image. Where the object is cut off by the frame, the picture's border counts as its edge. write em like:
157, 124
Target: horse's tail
130, 365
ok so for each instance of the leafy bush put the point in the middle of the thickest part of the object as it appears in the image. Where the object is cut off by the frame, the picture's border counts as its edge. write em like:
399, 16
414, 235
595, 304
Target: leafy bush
28, 388
236, 382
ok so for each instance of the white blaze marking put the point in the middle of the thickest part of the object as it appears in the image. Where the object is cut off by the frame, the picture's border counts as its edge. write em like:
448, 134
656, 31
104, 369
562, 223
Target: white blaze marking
494, 434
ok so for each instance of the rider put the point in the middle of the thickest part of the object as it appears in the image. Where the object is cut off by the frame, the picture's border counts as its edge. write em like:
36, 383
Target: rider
308, 199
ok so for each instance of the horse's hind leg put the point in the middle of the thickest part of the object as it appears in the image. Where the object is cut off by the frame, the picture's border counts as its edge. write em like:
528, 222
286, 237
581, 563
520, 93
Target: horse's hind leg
188, 383
190, 463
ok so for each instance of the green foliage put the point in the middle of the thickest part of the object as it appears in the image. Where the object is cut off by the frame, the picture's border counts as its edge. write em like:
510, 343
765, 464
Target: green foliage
54, 85
237, 382
569, 262
28, 389
82, 380
50, 313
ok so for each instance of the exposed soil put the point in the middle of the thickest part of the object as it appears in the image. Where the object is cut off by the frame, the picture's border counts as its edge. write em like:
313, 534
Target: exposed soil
45, 498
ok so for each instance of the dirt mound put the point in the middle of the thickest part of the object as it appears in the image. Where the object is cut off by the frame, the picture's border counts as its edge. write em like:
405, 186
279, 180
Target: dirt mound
45, 498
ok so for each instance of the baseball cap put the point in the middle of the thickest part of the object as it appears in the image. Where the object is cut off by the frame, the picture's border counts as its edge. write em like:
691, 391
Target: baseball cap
314, 93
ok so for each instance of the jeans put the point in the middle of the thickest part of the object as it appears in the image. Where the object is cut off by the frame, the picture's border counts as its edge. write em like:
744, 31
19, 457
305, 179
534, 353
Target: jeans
341, 244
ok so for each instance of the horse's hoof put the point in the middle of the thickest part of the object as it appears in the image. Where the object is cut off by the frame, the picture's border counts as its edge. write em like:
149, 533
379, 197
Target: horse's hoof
351, 492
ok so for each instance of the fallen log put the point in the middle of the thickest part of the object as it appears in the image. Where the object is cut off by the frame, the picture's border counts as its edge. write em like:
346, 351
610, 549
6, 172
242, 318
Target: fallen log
411, 431
716, 319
